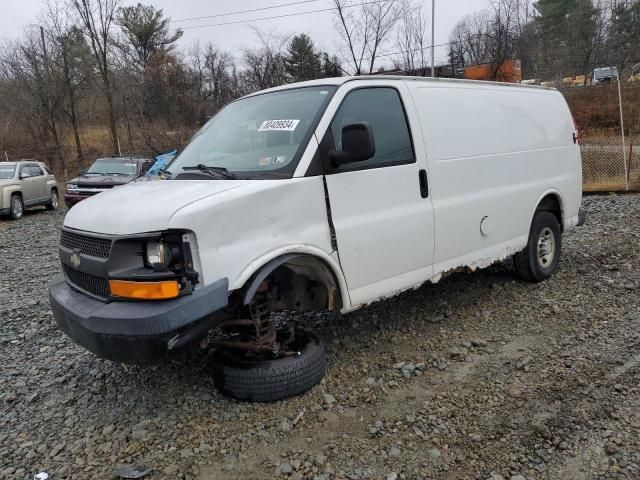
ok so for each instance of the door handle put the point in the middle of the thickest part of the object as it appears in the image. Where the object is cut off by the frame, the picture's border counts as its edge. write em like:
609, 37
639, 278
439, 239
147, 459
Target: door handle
424, 184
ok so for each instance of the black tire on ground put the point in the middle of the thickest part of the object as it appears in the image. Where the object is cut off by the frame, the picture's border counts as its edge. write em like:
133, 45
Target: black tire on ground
16, 207
270, 380
53, 202
540, 259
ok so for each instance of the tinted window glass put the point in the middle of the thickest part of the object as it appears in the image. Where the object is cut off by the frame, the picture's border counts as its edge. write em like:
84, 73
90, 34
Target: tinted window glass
113, 166
35, 170
146, 166
7, 170
382, 109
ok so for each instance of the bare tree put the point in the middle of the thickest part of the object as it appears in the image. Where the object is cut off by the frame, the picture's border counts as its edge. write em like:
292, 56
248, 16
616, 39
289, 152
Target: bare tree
470, 37
490, 36
503, 33
265, 66
69, 54
97, 18
363, 29
411, 39
33, 90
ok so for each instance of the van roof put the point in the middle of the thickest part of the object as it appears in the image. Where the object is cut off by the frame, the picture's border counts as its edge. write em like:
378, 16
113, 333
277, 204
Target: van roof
342, 80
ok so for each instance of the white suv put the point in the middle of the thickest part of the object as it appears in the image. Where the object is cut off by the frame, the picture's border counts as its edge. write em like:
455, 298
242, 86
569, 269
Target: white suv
325, 195
26, 184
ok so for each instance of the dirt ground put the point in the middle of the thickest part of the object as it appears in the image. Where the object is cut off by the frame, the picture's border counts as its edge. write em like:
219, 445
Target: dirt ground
480, 376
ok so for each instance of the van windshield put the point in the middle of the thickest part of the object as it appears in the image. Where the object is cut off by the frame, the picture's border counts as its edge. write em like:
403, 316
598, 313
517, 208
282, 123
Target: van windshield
257, 137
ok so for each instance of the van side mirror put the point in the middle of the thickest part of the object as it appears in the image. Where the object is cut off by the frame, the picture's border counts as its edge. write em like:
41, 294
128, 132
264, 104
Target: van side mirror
357, 145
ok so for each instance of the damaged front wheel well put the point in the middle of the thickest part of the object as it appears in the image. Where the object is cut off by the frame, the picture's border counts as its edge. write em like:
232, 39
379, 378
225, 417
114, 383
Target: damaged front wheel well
297, 282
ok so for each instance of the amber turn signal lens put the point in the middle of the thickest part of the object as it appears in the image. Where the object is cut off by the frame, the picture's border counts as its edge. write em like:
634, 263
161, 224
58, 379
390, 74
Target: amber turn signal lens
144, 290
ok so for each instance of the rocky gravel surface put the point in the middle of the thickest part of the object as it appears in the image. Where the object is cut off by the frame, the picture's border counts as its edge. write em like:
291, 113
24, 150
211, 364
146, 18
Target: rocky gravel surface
480, 376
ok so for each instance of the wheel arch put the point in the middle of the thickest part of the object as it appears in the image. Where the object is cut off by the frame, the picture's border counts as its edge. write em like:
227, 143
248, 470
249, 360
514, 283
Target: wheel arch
551, 201
10, 191
317, 266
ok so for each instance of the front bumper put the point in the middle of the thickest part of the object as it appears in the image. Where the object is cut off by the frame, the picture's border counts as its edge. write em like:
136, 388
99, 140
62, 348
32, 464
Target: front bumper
136, 332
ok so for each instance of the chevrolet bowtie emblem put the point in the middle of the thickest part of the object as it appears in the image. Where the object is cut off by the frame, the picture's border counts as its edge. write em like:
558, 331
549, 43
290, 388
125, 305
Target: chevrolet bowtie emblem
75, 260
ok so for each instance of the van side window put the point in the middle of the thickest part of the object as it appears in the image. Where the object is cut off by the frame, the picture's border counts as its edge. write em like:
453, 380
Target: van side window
382, 108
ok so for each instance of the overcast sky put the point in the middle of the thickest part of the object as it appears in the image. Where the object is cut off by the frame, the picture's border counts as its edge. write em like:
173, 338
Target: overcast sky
17, 14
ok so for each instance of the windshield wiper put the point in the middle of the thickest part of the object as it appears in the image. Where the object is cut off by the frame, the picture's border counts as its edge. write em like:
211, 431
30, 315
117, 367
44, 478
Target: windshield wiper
218, 172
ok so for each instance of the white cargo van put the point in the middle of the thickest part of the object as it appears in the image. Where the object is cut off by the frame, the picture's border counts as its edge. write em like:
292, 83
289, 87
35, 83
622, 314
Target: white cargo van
323, 195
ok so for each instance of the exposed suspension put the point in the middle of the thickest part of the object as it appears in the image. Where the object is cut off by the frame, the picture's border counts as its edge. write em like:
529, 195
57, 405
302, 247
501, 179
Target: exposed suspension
259, 333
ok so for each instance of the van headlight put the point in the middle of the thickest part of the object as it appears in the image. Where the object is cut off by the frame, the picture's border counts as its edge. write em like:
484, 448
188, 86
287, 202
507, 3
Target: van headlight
172, 251
72, 186
159, 253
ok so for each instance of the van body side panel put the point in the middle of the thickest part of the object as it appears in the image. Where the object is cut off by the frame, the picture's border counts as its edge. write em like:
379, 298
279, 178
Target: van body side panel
240, 231
493, 152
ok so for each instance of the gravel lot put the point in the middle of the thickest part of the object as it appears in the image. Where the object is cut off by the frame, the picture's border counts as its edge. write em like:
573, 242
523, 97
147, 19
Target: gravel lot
480, 376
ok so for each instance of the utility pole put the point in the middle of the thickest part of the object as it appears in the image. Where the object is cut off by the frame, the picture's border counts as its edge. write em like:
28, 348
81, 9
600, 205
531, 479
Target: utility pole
433, 38
624, 146
44, 45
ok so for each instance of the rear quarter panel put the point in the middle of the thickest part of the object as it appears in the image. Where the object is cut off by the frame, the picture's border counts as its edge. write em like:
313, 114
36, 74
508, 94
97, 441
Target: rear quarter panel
494, 151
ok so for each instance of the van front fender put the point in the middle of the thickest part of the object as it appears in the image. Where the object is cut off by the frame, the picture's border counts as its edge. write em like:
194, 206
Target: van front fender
253, 276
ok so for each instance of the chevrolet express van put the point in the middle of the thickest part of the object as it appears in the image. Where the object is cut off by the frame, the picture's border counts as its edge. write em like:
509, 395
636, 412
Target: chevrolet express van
323, 195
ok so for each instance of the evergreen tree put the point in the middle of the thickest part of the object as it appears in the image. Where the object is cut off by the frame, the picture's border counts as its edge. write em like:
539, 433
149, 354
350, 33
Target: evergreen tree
302, 62
569, 36
147, 31
330, 66
624, 35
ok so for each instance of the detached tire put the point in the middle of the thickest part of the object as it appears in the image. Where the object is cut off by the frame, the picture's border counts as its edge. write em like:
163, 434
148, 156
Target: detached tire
270, 380
540, 259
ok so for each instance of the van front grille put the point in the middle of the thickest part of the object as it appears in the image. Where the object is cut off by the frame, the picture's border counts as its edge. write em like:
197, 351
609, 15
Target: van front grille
97, 286
94, 246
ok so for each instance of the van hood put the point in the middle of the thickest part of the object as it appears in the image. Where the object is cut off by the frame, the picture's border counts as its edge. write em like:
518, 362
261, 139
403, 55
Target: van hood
143, 206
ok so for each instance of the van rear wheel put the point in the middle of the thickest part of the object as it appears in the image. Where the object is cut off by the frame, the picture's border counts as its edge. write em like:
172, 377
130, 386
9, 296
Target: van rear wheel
540, 259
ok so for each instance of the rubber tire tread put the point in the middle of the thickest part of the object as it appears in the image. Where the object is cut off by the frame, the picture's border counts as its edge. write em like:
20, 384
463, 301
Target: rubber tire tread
11, 213
272, 380
526, 261
49, 205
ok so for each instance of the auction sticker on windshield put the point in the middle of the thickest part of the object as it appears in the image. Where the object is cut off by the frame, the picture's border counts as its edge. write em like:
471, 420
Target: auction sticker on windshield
278, 125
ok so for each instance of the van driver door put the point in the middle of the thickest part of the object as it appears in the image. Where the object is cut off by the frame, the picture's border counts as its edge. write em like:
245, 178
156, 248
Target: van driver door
380, 207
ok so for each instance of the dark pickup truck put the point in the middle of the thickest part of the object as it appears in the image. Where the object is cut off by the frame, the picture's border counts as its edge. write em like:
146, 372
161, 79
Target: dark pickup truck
104, 174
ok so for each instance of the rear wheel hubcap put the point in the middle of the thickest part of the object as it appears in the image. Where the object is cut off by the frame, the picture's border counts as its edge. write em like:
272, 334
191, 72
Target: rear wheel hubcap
546, 247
